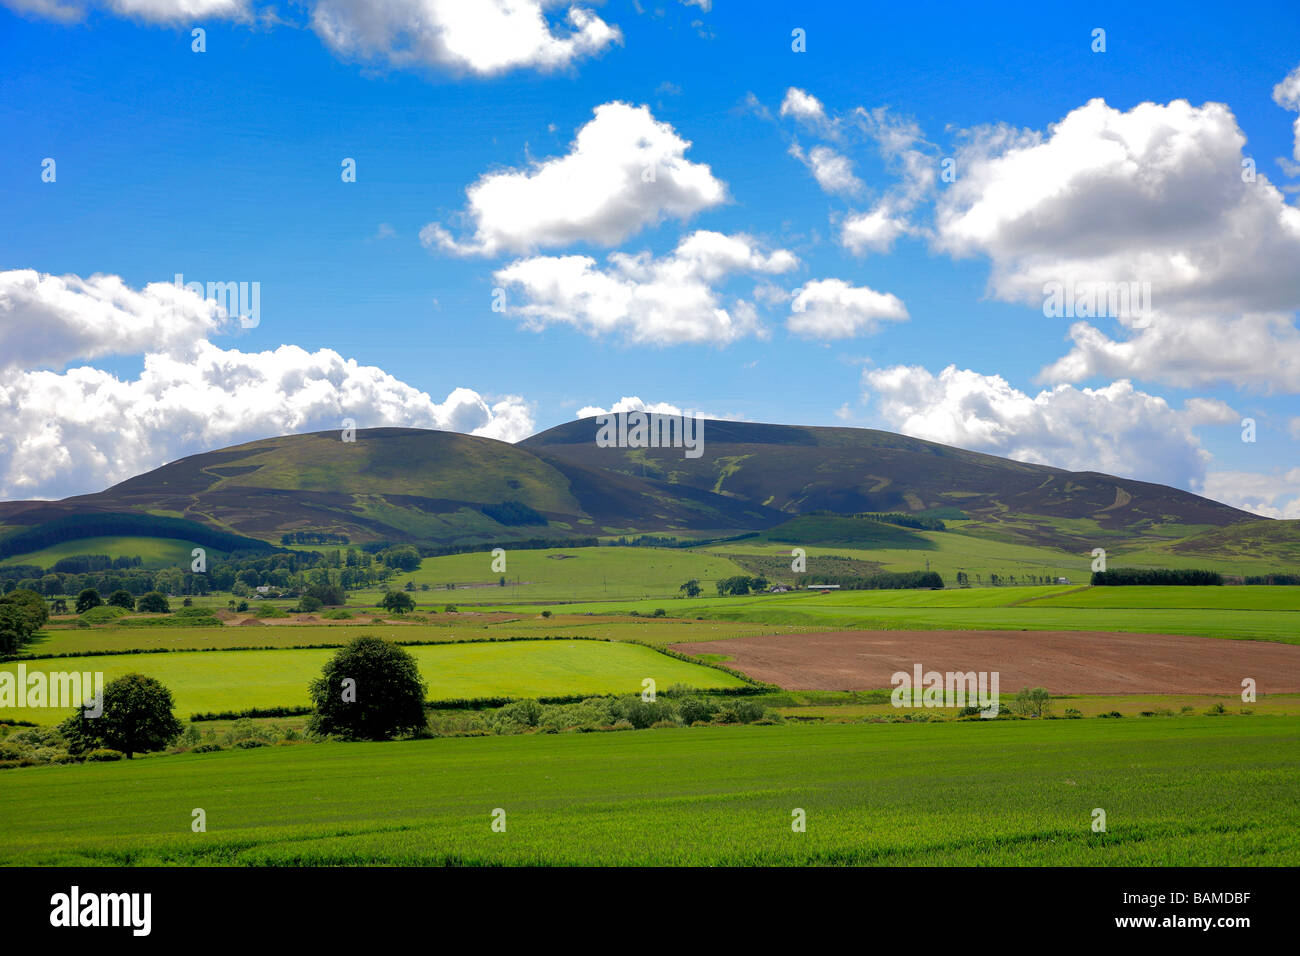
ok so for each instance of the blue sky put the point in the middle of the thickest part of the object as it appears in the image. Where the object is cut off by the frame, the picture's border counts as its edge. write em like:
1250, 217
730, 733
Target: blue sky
225, 165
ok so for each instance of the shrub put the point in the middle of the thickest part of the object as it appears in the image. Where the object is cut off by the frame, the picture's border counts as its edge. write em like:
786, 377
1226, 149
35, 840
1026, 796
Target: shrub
207, 749
309, 603
695, 710
1073, 714
1215, 710
122, 599
103, 755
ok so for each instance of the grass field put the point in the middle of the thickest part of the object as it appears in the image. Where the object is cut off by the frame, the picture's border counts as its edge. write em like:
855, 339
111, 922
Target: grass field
154, 552
238, 680
1006, 609
568, 574
658, 632
1194, 791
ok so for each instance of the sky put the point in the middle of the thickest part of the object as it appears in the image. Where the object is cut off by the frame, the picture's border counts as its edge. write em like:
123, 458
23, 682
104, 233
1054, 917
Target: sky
1067, 236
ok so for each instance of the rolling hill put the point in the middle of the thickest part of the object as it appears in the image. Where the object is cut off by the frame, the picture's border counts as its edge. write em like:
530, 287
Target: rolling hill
448, 489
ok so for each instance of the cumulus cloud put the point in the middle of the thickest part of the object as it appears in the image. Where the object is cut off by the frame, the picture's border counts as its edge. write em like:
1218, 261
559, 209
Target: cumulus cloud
631, 403
480, 37
833, 309
805, 108
82, 429
1274, 495
624, 171
484, 37
1287, 95
52, 320
1117, 429
1152, 195
667, 300
833, 171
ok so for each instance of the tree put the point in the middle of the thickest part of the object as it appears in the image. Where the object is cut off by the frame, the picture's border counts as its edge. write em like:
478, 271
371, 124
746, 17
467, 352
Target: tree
397, 602
370, 690
122, 599
1036, 702
404, 558
137, 718
692, 588
307, 604
23, 612
87, 599
155, 602
59, 606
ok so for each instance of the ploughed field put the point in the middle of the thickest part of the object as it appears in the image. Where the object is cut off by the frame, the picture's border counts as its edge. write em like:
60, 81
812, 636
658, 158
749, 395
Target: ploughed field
1189, 791
1065, 662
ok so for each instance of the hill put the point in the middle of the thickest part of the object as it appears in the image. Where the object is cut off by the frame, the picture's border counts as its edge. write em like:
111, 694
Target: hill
449, 489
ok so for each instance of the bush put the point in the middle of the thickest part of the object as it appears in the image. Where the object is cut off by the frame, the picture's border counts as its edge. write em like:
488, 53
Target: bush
740, 712
695, 710
338, 614
1215, 710
309, 603
641, 713
104, 754
1073, 714
207, 749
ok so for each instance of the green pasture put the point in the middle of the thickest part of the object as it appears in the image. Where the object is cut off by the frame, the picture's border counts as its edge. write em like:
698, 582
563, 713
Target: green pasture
1196, 791
154, 552
560, 574
213, 681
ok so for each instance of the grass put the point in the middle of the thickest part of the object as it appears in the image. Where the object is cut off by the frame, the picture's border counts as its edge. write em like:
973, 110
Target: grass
218, 681
154, 552
658, 632
1195, 791
562, 574
997, 609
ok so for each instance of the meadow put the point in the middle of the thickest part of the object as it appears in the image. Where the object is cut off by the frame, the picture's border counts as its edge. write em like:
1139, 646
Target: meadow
219, 681
562, 574
1193, 791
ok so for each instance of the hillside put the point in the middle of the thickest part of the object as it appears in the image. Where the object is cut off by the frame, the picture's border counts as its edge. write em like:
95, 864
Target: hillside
796, 470
445, 488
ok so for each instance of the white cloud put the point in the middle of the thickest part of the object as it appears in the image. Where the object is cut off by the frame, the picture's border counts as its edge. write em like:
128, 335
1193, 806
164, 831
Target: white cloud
1275, 495
52, 320
668, 300
833, 309
83, 429
1153, 195
484, 37
1287, 95
873, 231
1118, 429
631, 403
833, 171
481, 37
804, 107
624, 171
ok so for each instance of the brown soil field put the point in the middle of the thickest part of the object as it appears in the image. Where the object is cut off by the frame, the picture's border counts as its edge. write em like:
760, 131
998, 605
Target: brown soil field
1065, 662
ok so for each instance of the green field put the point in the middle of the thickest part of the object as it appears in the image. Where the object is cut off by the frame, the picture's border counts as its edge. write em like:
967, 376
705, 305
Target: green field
154, 552
216, 681
1001, 609
561, 574
1194, 791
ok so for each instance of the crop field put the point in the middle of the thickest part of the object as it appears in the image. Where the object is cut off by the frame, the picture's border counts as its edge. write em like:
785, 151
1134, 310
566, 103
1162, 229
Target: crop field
1194, 791
216, 681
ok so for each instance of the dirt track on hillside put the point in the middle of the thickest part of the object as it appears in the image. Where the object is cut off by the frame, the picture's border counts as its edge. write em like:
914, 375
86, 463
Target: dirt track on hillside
1065, 662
